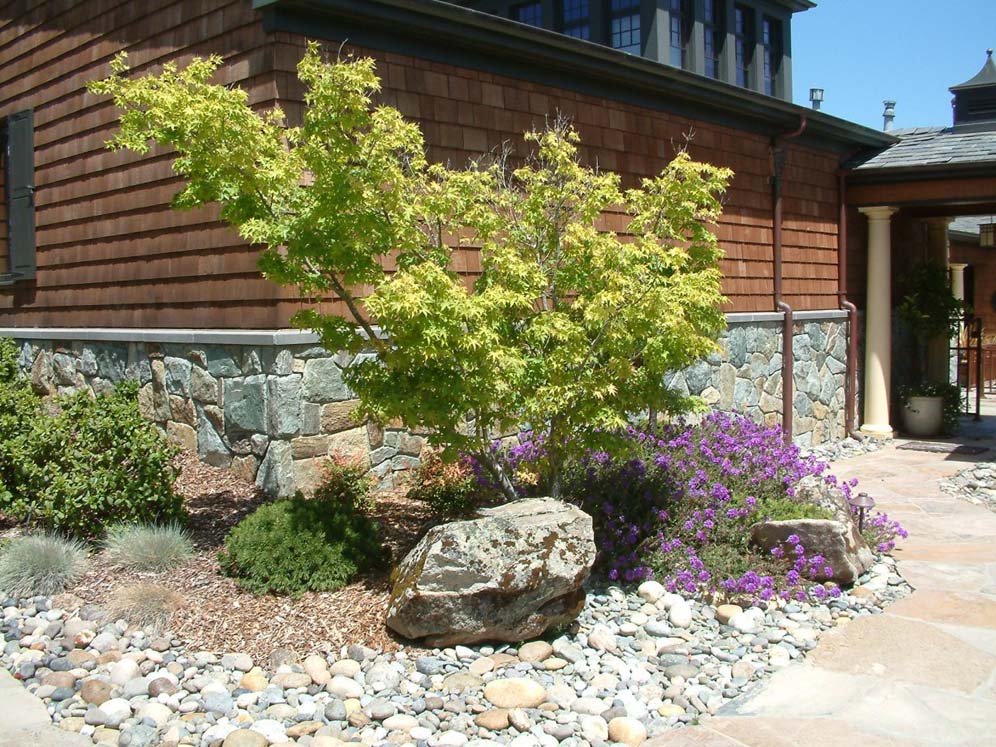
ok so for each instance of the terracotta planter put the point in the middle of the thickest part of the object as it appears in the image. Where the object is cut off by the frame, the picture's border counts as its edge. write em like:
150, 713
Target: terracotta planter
924, 416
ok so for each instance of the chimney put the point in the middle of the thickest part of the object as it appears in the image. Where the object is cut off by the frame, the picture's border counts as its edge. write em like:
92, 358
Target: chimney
889, 115
816, 97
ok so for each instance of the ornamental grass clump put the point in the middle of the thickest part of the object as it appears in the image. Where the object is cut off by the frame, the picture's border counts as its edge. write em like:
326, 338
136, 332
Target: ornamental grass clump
147, 547
40, 564
149, 606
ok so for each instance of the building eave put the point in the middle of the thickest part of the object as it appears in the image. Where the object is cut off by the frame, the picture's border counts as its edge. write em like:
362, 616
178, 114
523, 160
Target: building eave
904, 174
540, 54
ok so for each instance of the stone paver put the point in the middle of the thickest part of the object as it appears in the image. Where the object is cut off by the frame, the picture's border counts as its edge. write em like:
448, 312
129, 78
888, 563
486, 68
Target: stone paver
923, 674
25, 721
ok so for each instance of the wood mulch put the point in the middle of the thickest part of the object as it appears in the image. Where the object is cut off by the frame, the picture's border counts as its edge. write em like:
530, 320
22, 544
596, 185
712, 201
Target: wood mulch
218, 616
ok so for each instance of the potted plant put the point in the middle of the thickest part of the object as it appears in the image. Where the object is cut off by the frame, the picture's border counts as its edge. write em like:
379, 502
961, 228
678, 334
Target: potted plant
930, 311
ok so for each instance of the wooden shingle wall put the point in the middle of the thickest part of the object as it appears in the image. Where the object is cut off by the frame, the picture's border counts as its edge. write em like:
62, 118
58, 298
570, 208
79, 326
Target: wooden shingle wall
111, 252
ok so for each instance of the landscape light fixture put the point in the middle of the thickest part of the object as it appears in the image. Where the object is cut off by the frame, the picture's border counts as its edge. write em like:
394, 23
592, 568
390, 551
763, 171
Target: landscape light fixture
816, 97
862, 502
987, 234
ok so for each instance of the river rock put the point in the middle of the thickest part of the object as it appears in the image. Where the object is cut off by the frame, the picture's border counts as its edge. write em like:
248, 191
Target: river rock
508, 575
515, 692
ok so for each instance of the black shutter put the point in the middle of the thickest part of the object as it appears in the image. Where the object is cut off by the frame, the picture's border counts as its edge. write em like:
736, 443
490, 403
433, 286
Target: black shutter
20, 183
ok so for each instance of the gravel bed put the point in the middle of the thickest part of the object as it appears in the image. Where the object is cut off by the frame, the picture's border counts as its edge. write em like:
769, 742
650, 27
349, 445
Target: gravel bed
975, 484
636, 662
847, 448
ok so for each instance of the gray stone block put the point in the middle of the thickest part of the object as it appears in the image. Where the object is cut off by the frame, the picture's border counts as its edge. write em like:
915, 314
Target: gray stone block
203, 386
112, 361
245, 406
222, 362
177, 375
284, 405
323, 382
211, 446
276, 472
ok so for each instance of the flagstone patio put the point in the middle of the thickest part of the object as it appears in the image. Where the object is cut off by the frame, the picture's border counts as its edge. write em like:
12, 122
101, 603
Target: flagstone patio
921, 674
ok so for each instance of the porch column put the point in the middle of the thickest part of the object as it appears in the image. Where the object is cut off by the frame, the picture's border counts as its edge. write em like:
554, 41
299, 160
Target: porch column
938, 250
958, 280
878, 322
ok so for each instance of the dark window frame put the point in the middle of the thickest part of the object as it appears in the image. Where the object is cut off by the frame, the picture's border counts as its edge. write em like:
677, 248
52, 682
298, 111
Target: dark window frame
681, 19
714, 36
743, 40
772, 51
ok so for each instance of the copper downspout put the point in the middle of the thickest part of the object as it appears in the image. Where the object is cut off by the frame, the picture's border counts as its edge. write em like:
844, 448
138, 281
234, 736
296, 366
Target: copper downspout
778, 157
851, 383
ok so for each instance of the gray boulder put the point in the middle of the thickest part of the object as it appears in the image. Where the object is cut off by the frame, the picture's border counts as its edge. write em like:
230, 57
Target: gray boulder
846, 552
507, 575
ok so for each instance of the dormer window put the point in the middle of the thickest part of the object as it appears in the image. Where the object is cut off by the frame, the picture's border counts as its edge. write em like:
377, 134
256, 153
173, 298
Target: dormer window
743, 39
574, 19
712, 26
681, 31
624, 26
771, 53
530, 14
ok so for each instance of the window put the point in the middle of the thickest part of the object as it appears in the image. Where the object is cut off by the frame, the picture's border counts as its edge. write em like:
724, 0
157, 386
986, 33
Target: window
574, 19
528, 13
744, 39
18, 214
681, 27
624, 29
712, 24
771, 53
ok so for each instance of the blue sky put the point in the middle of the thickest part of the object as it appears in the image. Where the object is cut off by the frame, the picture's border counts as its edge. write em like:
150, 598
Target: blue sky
865, 51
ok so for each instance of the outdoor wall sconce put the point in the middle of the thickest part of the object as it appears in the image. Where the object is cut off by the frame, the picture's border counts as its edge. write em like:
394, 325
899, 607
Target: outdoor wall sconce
862, 502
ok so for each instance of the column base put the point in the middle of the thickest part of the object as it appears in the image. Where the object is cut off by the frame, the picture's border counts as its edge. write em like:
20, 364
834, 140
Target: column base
883, 432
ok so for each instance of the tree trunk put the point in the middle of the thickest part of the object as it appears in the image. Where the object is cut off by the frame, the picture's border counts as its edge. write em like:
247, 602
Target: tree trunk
498, 474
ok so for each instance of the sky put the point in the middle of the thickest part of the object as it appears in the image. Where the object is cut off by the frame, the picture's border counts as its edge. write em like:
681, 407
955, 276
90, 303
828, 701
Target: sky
862, 52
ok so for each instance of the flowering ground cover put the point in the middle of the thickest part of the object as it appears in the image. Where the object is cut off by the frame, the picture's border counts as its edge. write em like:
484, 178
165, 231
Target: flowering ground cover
678, 506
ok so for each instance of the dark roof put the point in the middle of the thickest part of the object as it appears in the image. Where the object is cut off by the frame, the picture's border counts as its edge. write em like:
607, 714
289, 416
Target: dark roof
985, 77
933, 147
967, 226
454, 34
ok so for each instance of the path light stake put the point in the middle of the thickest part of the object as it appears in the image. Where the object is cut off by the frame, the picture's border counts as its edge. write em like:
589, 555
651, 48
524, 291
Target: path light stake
862, 502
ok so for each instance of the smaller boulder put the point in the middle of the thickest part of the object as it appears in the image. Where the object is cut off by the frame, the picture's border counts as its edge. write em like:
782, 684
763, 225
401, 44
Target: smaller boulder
840, 543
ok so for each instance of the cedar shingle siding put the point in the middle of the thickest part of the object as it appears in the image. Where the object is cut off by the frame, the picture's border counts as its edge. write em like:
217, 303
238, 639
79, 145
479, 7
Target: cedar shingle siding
111, 252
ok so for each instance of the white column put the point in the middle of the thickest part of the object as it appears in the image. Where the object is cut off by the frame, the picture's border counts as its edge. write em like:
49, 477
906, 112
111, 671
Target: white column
878, 323
958, 280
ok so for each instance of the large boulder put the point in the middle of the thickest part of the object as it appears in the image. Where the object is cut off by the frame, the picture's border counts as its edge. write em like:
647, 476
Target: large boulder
839, 542
507, 575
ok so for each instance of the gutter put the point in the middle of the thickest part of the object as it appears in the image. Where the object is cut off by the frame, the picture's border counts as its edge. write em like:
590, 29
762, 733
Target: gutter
778, 158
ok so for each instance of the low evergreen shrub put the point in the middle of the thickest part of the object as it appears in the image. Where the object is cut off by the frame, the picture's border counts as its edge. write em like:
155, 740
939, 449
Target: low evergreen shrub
146, 547
40, 564
297, 544
449, 489
93, 463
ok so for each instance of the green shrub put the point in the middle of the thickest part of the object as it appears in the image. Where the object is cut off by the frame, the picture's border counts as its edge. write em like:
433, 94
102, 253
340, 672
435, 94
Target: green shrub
9, 370
145, 547
788, 509
296, 545
42, 564
93, 463
449, 489
145, 605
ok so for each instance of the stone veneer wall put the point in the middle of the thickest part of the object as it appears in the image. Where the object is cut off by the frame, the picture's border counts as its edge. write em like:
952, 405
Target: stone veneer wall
272, 410
270, 413
746, 376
